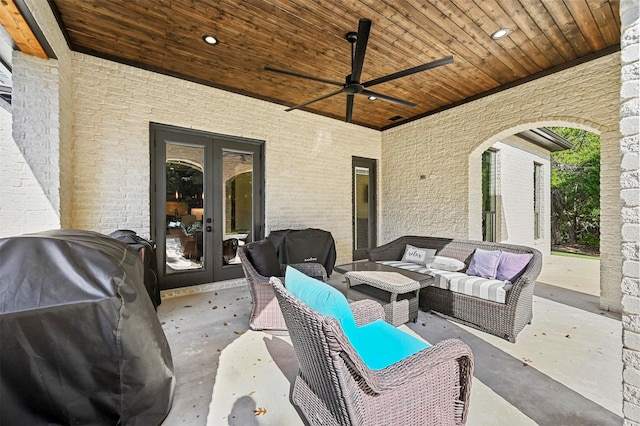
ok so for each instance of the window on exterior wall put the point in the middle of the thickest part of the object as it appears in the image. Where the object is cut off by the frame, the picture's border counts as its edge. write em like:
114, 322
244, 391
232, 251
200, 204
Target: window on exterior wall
537, 201
489, 195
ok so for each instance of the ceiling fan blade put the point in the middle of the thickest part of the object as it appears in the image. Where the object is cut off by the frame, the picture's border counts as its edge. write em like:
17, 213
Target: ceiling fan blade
364, 27
387, 98
349, 113
314, 100
444, 61
308, 77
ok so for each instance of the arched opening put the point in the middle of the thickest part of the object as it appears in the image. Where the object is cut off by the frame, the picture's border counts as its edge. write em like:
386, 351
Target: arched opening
568, 308
516, 224
575, 194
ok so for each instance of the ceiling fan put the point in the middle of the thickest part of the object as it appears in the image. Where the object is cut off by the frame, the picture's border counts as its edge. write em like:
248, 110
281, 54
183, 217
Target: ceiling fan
352, 85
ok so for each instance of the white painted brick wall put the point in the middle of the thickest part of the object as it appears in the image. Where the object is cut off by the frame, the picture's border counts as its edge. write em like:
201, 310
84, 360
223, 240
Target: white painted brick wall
515, 206
61, 70
105, 157
37, 138
35, 132
447, 148
26, 207
307, 157
630, 196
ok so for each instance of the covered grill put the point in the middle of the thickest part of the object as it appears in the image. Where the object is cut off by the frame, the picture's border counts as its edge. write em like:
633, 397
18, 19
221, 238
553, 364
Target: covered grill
305, 245
80, 342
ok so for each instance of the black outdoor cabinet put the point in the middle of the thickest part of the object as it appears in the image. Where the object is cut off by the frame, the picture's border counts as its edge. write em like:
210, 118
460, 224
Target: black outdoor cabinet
80, 341
305, 245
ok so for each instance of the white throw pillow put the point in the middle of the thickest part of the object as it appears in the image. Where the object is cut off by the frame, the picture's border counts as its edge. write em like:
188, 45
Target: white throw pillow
417, 255
446, 264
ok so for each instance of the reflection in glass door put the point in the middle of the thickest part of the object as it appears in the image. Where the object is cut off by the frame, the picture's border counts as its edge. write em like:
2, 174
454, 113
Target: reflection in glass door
237, 171
184, 201
206, 201
364, 206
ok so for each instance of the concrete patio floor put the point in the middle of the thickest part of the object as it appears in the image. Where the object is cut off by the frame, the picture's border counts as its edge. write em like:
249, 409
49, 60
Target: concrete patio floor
565, 368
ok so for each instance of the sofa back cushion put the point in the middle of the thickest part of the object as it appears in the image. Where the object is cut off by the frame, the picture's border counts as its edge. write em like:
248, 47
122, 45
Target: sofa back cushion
323, 298
445, 263
512, 265
484, 263
264, 258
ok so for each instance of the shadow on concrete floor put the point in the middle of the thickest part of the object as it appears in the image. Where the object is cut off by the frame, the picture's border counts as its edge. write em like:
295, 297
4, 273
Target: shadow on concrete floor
579, 300
538, 396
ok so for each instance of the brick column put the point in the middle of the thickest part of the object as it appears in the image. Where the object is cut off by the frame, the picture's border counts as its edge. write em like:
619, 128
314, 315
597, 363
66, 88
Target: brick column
36, 132
630, 195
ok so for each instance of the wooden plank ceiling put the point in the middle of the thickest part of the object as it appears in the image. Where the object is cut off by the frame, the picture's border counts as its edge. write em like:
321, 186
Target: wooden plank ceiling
18, 29
308, 37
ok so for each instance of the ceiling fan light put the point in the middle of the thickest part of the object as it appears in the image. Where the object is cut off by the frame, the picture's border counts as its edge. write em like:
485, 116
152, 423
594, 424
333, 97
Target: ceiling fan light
501, 33
372, 98
209, 39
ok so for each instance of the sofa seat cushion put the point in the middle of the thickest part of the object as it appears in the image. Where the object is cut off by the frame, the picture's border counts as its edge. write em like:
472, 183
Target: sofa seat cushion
409, 266
484, 288
442, 279
380, 344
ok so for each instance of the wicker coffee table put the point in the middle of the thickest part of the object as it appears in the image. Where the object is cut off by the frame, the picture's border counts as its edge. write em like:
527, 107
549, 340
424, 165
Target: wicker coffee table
396, 292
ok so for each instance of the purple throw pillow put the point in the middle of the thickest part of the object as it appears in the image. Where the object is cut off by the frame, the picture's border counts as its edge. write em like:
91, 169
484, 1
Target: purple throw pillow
512, 265
484, 263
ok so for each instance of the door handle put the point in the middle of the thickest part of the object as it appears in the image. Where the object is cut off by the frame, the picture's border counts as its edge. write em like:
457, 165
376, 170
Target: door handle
209, 229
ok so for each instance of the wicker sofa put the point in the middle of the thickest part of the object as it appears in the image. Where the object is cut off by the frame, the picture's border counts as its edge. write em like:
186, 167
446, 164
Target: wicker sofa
505, 320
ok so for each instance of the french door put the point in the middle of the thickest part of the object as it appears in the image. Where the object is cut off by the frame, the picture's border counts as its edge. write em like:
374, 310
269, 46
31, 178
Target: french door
206, 201
364, 206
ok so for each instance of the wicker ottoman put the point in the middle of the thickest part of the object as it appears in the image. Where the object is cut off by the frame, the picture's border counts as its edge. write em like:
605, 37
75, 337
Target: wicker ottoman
397, 293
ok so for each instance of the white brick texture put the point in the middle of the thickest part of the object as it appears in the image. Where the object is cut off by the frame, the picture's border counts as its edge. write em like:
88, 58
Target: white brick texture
447, 148
630, 196
307, 157
515, 193
95, 147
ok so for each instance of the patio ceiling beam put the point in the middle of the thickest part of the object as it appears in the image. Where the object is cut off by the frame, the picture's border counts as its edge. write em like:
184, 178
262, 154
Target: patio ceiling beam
18, 28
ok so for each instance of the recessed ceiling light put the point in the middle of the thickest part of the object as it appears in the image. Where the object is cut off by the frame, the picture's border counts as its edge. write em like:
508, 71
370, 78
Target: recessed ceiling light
372, 98
210, 39
501, 33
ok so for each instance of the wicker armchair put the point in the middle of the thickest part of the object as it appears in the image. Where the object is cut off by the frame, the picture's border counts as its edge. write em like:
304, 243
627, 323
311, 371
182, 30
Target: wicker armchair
265, 310
335, 387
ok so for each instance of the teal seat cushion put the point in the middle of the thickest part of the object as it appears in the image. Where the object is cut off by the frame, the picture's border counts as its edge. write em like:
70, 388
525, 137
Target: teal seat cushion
380, 344
321, 297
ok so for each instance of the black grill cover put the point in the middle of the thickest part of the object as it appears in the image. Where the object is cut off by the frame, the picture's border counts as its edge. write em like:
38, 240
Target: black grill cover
80, 342
305, 245
147, 251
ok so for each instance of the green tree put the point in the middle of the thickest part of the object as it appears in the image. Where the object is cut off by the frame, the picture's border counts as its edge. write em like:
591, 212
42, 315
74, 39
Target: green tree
575, 190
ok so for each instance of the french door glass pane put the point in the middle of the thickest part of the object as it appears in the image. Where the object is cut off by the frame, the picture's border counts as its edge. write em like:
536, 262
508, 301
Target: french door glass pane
361, 210
237, 211
184, 201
